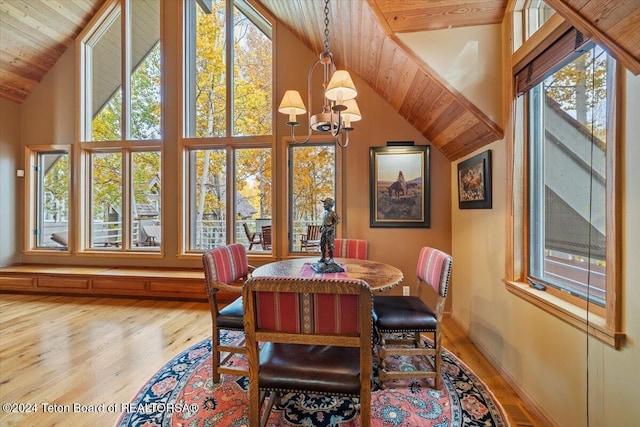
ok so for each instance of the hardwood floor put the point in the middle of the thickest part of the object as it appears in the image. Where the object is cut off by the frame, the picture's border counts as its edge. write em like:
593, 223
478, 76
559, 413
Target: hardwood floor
59, 351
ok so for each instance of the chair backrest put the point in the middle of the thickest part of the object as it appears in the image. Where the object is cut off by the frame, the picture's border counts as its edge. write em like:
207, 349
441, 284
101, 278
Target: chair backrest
334, 312
225, 264
266, 236
313, 232
322, 312
351, 248
316, 308
434, 268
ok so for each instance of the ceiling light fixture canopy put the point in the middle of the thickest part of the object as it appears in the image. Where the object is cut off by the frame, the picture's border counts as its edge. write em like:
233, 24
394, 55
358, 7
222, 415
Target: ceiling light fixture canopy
340, 108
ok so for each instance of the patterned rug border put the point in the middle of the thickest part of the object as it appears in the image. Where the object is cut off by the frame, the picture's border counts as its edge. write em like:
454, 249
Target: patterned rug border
155, 402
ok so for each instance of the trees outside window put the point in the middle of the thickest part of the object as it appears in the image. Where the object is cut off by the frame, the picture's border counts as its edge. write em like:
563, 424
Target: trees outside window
565, 181
227, 123
48, 175
121, 128
569, 114
313, 176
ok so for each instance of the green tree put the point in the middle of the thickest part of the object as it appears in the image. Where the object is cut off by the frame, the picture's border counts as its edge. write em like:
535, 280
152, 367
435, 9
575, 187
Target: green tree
210, 94
107, 122
252, 84
581, 88
145, 97
254, 178
106, 184
56, 183
314, 172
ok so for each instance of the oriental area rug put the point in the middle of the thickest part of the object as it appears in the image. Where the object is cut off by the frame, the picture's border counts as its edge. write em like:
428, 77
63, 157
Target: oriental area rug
182, 394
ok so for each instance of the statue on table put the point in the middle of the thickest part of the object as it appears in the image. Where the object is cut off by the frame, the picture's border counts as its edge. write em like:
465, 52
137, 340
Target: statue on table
327, 237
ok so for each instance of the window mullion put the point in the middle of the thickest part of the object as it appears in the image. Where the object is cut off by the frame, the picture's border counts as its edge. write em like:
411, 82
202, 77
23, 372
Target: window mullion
127, 187
229, 34
126, 69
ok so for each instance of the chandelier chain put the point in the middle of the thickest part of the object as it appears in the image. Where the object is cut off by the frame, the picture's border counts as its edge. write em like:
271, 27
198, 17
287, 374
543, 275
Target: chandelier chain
326, 26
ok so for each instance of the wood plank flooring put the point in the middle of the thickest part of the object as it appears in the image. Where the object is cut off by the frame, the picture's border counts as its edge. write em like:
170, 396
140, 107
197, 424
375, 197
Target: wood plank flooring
59, 351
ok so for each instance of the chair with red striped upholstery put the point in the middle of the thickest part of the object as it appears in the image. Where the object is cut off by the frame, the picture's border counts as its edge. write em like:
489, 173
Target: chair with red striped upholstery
315, 336
351, 248
400, 320
225, 268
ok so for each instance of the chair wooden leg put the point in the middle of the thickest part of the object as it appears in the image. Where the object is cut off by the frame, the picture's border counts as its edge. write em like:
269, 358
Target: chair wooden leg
410, 346
438, 361
254, 404
365, 410
215, 355
274, 397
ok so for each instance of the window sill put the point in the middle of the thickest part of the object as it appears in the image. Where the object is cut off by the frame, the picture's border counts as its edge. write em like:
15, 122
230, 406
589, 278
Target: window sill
581, 319
49, 251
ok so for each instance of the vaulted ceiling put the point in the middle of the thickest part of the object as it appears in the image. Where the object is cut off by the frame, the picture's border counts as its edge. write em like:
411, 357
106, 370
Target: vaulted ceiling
35, 33
33, 36
363, 41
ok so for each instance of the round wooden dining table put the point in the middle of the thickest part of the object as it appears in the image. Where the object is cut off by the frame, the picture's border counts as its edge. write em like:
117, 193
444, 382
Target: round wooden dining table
378, 275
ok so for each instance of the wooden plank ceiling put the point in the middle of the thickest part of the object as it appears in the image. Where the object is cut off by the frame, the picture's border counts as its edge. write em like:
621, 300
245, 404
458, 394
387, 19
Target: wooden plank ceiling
362, 41
33, 35
420, 15
614, 24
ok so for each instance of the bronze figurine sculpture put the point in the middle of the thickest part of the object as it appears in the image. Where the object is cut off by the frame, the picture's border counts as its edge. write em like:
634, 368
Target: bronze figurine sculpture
326, 263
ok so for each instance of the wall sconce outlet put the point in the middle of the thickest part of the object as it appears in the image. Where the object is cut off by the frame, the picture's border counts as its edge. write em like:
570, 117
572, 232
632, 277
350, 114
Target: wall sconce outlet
405, 291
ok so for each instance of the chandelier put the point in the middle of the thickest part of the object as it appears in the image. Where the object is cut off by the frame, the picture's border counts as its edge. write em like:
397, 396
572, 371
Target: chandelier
340, 108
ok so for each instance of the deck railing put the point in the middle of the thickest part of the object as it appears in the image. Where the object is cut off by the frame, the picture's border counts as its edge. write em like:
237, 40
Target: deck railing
208, 233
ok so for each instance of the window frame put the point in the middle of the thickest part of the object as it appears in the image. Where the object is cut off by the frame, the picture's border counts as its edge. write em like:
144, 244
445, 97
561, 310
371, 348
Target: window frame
228, 141
32, 204
289, 237
85, 146
601, 323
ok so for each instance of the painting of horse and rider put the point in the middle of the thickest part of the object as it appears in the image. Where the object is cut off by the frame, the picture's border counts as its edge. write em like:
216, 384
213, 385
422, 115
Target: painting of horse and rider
400, 186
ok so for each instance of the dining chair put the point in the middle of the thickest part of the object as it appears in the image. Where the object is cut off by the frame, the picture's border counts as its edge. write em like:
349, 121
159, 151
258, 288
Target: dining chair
266, 237
225, 268
254, 238
315, 337
351, 248
400, 320
311, 239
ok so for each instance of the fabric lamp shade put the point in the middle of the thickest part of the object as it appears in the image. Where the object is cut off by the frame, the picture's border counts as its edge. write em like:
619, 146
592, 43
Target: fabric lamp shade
341, 87
292, 104
352, 113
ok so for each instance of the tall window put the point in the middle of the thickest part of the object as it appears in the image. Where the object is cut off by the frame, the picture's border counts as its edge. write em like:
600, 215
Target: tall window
121, 128
48, 175
569, 116
227, 123
313, 176
568, 104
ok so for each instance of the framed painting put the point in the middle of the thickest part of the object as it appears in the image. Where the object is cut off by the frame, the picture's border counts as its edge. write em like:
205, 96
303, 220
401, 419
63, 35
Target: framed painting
399, 186
474, 182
